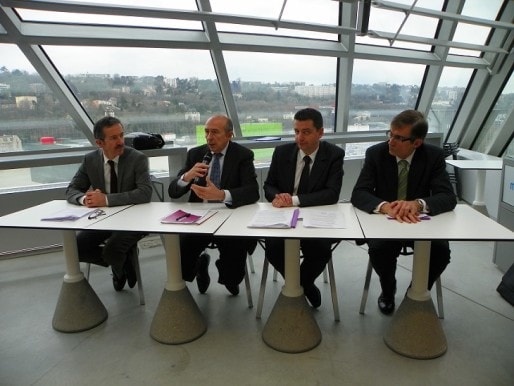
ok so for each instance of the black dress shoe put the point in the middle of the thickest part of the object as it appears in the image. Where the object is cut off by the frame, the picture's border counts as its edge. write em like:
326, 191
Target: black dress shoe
118, 281
313, 295
386, 304
233, 289
129, 269
202, 277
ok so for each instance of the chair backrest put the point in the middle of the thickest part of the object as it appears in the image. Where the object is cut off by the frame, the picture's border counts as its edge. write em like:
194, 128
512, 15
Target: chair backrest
451, 149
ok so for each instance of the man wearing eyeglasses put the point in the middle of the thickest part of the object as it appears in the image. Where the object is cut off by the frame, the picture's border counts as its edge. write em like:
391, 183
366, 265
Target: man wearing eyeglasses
112, 175
403, 178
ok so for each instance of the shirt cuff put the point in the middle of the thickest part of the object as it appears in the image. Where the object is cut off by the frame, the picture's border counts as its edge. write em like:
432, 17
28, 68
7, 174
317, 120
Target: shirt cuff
296, 201
379, 206
228, 197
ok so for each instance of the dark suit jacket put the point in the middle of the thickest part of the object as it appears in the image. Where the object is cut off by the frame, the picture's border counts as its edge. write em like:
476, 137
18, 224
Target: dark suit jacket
238, 175
134, 185
325, 179
428, 179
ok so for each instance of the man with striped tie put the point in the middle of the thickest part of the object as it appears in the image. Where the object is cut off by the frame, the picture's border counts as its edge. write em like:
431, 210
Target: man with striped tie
403, 178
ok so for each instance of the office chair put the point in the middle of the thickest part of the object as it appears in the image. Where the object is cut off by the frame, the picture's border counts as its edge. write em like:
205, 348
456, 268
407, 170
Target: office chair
451, 149
135, 263
329, 267
405, 252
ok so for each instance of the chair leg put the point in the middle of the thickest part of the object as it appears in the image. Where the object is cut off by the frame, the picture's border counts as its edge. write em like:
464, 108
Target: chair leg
250, 262
333, 290
135, 263
439, 292
248, 288
88, 270
262, 289
366, 288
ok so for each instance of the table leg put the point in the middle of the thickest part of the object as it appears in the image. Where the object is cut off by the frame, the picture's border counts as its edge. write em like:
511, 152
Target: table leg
177, 318
291, 327
415, 330
479, 203
78, 307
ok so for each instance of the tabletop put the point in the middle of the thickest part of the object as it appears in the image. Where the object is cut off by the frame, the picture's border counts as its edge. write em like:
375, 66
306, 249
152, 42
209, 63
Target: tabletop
476, 164
463, 223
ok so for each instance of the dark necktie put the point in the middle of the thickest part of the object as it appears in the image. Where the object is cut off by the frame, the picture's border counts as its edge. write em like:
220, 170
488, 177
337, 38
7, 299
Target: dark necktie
402, 179
216, 170
114, 177
303, 185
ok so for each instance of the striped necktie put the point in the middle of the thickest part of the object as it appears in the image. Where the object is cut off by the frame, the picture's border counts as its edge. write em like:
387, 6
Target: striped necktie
403, 166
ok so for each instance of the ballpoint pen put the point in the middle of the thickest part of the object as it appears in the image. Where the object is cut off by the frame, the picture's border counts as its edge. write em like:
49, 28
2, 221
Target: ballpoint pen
186, 215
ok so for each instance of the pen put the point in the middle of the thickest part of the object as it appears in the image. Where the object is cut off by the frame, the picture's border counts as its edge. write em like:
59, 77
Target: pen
186, 215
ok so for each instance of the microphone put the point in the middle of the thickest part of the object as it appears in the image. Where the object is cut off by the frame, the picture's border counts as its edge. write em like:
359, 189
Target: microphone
205, 160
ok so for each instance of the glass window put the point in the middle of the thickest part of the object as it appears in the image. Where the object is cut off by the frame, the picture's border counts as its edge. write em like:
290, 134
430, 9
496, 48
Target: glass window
502, 109
449, 93
170, 94
84, 18
303, 11
380, 90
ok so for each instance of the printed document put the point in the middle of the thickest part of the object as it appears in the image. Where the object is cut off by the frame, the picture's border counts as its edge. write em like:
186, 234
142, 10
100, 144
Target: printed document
275, 218
316, 218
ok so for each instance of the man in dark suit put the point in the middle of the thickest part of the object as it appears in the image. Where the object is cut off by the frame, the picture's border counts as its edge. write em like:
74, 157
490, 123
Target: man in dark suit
305, 173
231, 179
426, 189
112, 175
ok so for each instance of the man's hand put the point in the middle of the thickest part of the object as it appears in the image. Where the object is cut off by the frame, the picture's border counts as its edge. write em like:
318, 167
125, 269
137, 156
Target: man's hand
209, 192
402, 211
198, 170
95, 198
282, 200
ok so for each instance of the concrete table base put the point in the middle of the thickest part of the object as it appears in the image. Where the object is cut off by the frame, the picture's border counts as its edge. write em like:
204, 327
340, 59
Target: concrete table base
291, 327
78, 308
177, 318
416, 331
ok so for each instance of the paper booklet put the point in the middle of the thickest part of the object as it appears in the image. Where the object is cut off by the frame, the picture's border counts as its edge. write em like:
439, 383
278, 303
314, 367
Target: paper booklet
328, 219
70, 214
275, 218
190, 217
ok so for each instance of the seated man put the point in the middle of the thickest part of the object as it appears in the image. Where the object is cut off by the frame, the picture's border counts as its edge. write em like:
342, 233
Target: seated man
305, 173
113, 175
402, 178
231, 179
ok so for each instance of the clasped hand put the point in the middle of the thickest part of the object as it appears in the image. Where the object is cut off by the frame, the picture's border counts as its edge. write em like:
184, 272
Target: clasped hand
282, 200
95, 198
403, 211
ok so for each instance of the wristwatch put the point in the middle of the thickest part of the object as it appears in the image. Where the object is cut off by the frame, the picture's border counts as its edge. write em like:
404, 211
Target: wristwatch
421, 206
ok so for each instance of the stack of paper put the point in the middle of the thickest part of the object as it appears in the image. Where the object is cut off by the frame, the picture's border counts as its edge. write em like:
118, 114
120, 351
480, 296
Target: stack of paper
191, 217
275, 218
70, 214
316, 218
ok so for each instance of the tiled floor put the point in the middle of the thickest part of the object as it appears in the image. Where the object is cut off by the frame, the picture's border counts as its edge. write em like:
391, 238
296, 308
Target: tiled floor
479, 327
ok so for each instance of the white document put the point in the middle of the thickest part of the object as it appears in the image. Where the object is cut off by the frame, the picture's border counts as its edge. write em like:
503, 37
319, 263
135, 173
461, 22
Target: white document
274, 218
316, 218
70, 214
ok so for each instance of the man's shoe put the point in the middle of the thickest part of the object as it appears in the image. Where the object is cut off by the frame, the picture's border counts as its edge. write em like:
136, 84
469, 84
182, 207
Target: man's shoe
313, 295
129, 269
118, 281
202, 277
386, 304
233, 289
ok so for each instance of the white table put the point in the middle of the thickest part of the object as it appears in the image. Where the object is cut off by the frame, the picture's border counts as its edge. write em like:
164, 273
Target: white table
415, 330
291, 327
177, 318
481, 166
78, 307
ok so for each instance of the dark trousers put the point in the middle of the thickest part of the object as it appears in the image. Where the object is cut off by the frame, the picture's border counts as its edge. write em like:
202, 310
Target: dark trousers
111, 247
316, 254
383, 255
232, 252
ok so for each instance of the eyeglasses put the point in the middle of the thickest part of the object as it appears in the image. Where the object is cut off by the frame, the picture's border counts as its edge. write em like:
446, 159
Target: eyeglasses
97, 213
398, 138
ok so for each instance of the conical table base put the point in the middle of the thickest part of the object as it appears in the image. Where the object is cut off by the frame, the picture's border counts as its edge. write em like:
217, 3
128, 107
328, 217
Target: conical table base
78, 308
177, 318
